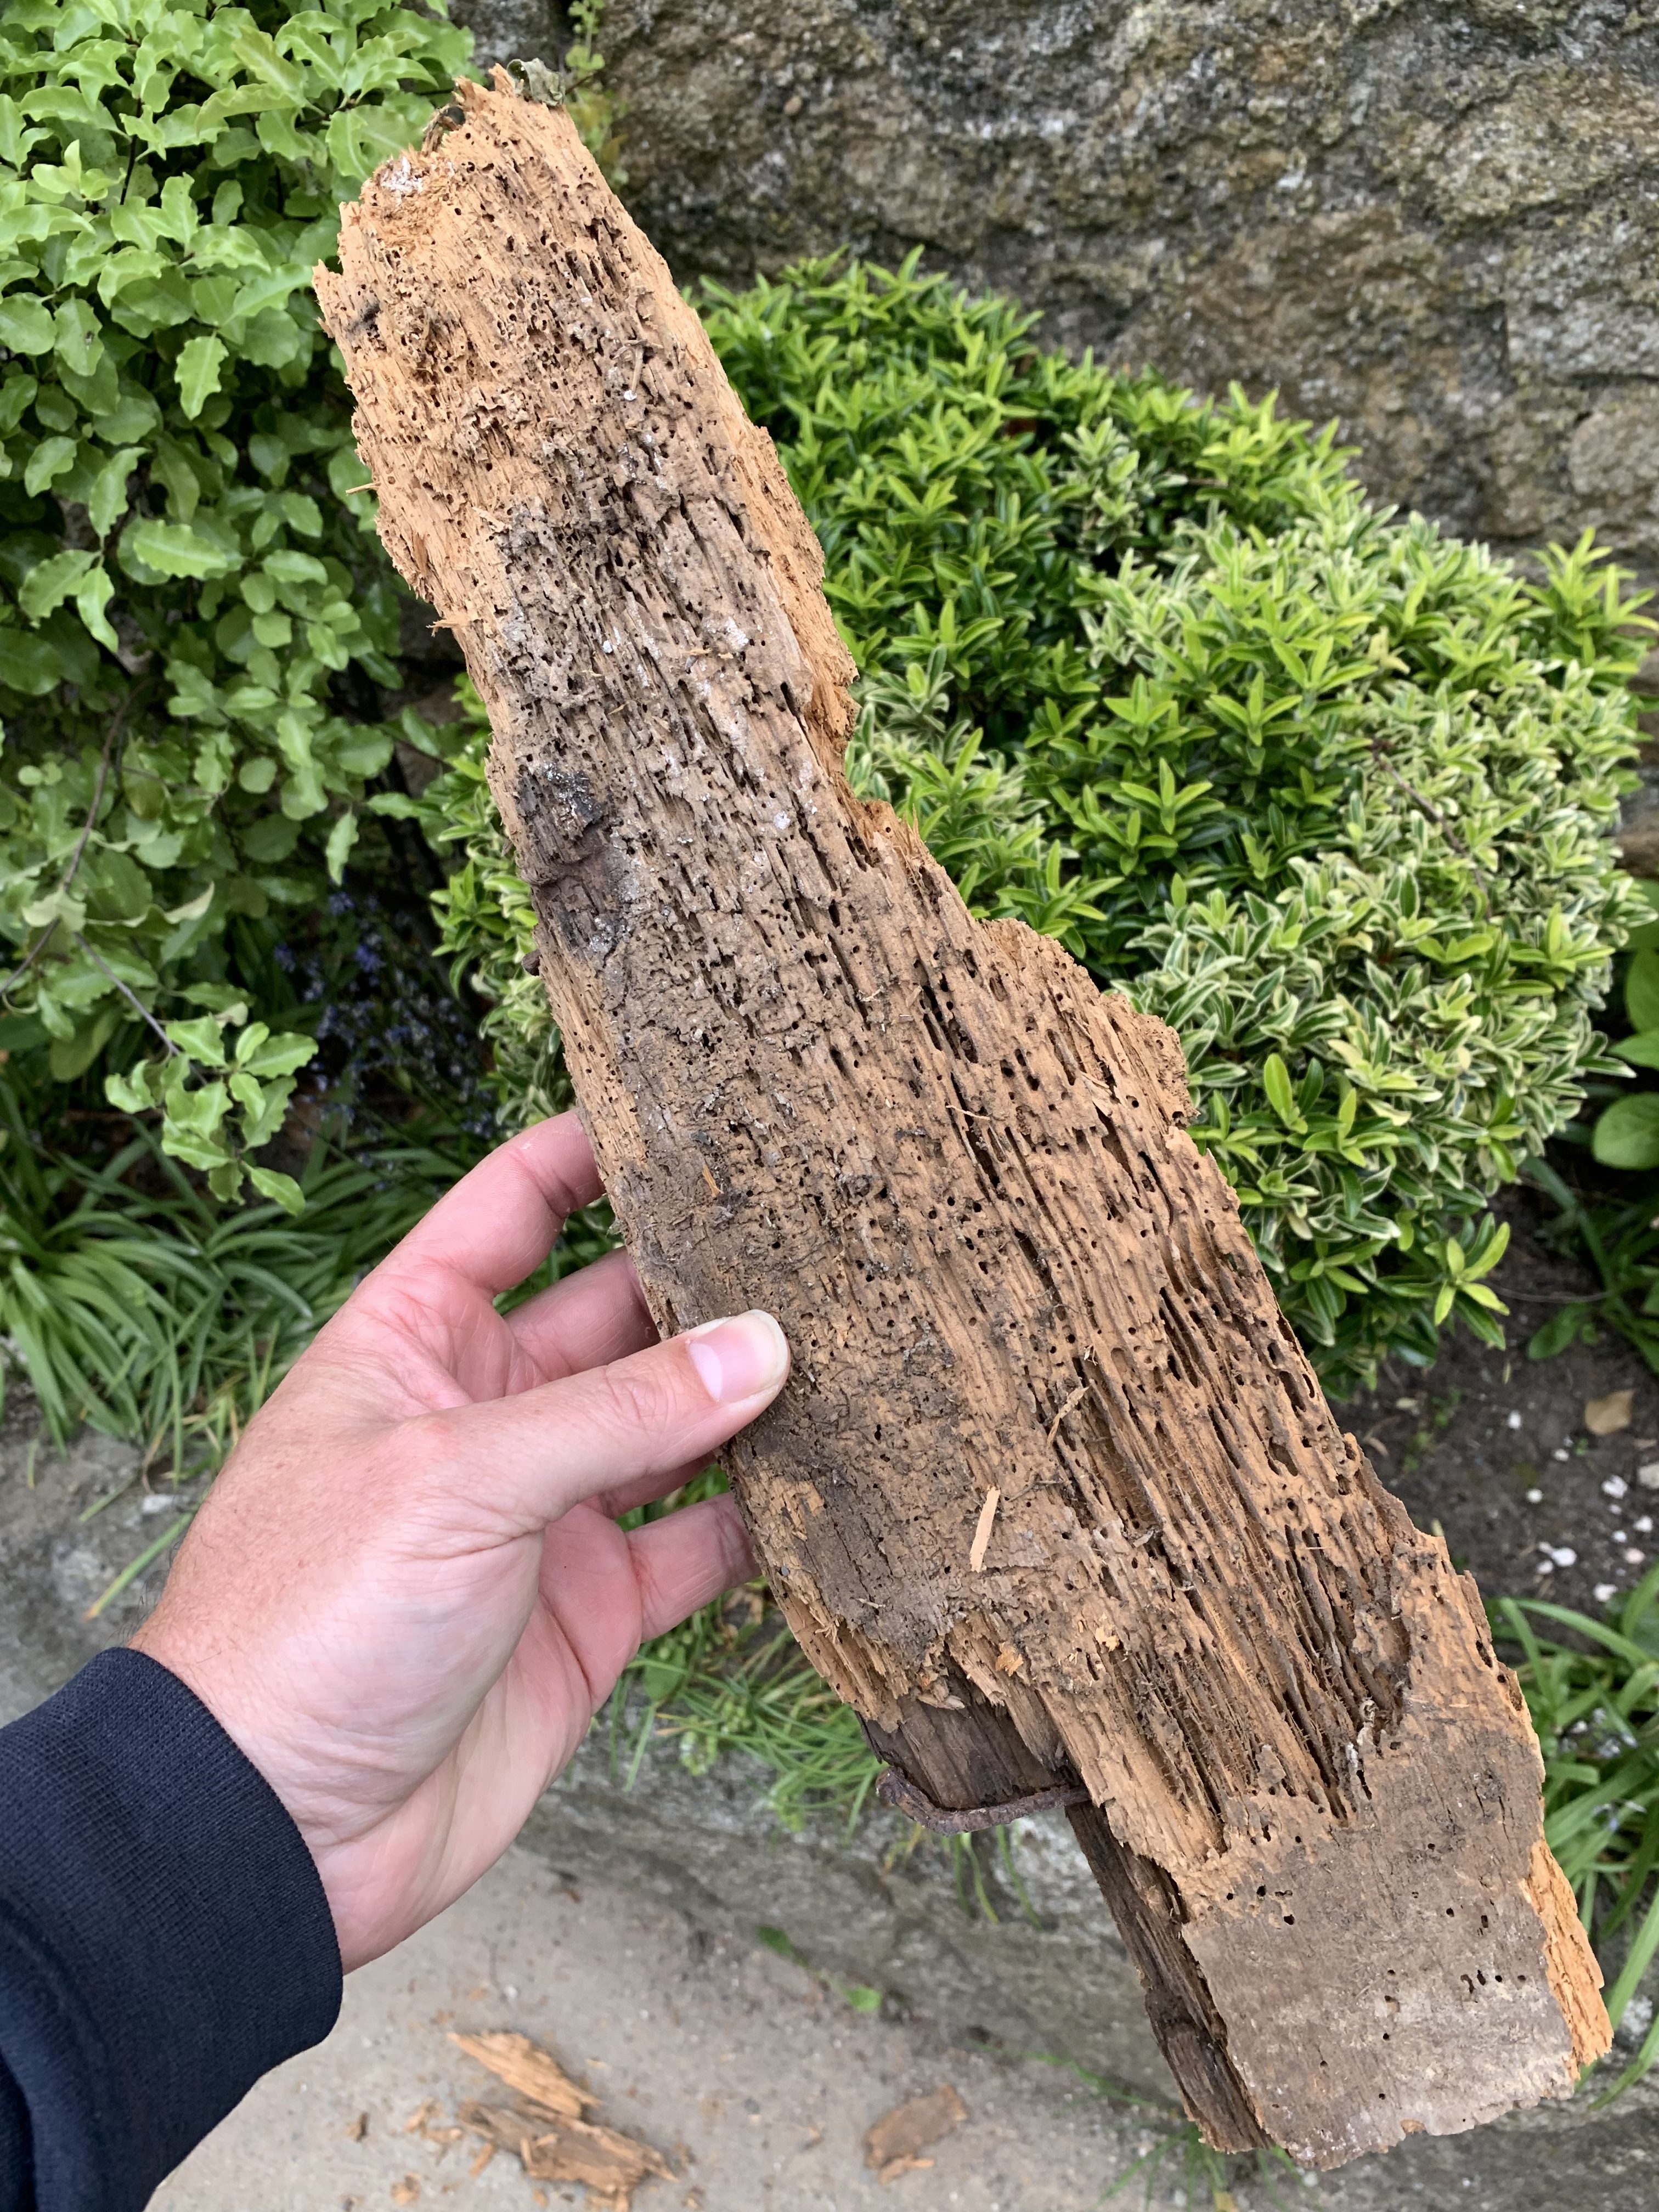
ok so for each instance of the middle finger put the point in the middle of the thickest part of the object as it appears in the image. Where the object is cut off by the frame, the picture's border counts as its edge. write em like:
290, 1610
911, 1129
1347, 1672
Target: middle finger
586, 1320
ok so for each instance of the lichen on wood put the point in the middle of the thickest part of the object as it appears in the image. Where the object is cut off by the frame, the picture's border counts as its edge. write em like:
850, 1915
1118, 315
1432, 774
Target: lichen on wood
961, 1177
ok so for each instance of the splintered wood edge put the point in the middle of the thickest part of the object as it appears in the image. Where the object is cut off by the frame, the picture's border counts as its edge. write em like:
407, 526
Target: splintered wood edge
1568, 1955
523, 2066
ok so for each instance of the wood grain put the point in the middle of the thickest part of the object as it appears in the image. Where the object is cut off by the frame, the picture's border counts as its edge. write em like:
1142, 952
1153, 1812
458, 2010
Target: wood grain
961, 1177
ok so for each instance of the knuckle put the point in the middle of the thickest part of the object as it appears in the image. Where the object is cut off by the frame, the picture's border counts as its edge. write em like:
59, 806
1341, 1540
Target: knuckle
737, 1553
428, 1443
642, 1398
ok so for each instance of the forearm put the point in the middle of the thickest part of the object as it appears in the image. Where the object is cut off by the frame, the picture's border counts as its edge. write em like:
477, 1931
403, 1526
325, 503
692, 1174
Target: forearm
395, 1614
164, 1938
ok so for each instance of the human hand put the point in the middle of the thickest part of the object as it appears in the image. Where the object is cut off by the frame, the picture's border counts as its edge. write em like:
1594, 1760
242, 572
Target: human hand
407, 1593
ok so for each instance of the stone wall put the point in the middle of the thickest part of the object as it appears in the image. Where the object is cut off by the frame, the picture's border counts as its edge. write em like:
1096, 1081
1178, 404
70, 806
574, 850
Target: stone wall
1437, 223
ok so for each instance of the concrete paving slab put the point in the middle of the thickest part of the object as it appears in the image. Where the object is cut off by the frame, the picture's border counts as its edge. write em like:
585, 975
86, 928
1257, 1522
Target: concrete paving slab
621, 1933
756, 2083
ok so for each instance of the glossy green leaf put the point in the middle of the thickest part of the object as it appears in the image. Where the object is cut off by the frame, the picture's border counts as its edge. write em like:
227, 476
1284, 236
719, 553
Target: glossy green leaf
1642, 992
172, 467
341, 839
16, 391
76, 338
131, 1094
51, 459
1281, 1097
49, 582
197, 371
29, 665
282, 1190
1626, 1133
26, 324
200, 1110
196, 1148
203, 1039
173, 549
106, 500
72, 1056
292, 567
273, 1056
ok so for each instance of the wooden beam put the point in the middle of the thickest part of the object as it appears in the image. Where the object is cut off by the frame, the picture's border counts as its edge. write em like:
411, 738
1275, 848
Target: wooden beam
961, 1177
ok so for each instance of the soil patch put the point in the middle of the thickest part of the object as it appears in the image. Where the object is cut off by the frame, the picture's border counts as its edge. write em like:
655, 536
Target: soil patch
1494, 1446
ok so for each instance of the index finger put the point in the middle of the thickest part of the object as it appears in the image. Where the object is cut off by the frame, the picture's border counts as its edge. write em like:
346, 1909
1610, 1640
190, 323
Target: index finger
502, 1219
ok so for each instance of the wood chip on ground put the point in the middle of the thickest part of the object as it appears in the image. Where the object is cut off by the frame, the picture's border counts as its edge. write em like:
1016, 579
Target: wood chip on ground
893, 2145
610, 2165
425, 2124
530, 2072
1606, 1417
549, 2130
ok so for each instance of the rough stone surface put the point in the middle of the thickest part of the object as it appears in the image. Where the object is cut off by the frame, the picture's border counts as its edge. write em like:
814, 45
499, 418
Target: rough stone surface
513, 30
876, 1908
1438, 224
53, 1565
754, 2080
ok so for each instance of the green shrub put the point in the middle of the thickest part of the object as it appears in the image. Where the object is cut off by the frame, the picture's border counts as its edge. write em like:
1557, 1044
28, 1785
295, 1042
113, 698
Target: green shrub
136, 1304
1325, 789
194, 614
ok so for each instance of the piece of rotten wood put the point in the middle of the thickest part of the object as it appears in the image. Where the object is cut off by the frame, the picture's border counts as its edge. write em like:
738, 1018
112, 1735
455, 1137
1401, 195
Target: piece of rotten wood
960, 1177
534, 2074
610, 2165
893, 2145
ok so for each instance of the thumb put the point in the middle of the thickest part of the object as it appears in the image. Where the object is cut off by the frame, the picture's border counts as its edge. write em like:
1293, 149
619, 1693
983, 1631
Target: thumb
506, 1467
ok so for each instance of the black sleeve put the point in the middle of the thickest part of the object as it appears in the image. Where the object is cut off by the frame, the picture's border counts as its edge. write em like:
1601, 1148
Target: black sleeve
164, 1937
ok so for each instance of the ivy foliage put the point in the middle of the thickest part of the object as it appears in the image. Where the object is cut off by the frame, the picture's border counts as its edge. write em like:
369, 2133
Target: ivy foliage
194, 612
1323, 789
